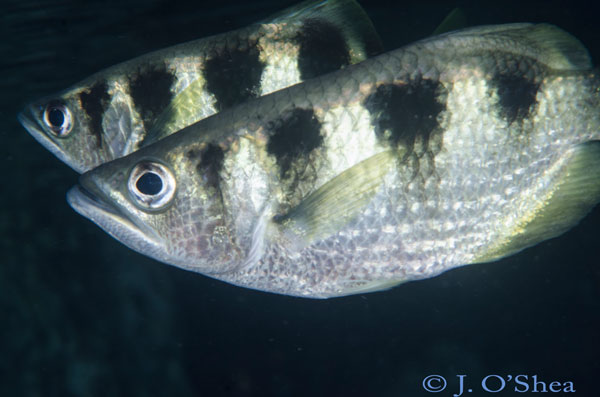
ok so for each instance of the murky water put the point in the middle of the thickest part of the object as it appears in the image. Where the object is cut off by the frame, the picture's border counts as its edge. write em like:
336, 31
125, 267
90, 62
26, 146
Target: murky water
82, 315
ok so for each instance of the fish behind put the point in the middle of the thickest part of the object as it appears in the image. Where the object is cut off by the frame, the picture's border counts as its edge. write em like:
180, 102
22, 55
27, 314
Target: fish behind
130, 105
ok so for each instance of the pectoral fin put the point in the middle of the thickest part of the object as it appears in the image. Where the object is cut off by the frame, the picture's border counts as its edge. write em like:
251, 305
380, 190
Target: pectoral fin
185, 109
337, 202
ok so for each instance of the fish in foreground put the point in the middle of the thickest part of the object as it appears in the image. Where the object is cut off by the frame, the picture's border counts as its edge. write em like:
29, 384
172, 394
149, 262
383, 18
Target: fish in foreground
459, 149
133, 104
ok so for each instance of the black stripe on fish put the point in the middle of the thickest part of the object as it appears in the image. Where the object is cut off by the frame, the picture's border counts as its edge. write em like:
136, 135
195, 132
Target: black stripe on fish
401, 112
210, 162
323, 48
95, 101
516, 95
150, 90
293, 137
234, 75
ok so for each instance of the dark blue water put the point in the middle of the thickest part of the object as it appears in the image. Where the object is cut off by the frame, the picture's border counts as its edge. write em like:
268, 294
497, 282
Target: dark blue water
82, 315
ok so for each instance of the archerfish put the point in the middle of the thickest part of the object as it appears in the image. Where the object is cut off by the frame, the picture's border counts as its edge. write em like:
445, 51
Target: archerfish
130, 105
458, 149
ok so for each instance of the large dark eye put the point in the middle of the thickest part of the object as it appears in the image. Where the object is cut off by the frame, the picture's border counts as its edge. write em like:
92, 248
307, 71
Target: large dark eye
151, 185
58, 119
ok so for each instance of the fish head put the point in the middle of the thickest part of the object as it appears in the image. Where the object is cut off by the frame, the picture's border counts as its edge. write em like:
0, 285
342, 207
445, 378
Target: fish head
86, 125
56, 123
156, 202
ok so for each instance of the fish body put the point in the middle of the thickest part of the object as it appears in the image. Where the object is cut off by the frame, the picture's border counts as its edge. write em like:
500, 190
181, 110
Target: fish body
120, 109
458, 149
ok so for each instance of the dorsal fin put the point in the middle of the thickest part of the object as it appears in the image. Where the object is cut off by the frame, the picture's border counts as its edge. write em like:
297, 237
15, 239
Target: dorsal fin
456, 19
546, 43
347, 16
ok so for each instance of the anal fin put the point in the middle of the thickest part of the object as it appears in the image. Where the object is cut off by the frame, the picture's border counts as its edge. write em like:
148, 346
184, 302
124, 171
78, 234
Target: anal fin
577, 192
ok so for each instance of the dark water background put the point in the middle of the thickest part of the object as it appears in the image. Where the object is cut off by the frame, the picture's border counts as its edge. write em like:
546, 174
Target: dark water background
81, 315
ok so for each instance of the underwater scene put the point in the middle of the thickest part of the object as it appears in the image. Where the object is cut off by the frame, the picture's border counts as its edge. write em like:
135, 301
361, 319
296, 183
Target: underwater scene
84, 314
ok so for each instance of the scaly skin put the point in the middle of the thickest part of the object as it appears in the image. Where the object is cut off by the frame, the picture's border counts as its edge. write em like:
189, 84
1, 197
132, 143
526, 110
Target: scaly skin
118, 110
454, 150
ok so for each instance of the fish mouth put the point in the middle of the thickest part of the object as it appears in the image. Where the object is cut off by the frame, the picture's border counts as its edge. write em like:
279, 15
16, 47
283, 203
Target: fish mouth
30, 121
89, 201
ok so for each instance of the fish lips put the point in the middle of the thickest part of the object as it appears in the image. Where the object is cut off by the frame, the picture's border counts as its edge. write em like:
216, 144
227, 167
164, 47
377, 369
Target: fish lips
31, 122
89, 200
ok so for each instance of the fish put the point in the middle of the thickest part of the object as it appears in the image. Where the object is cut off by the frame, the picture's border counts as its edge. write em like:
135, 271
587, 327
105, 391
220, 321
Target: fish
458, 149
120, 109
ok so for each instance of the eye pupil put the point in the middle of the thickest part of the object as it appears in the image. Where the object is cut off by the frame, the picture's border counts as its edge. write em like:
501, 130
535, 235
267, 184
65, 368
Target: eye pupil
56, 117
149, 184
58, 120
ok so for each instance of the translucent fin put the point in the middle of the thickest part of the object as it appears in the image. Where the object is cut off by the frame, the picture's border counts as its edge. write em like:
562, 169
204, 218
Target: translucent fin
183, 111
562, 50
337, 202
577, 191
346, 15
364, 287
456, 19
546, 43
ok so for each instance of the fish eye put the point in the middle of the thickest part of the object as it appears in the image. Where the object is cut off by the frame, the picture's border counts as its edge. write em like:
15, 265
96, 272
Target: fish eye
151, 185
58, 119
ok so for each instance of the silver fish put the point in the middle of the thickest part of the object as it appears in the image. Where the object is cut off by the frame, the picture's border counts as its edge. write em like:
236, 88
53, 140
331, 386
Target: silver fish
458, 149
118, 110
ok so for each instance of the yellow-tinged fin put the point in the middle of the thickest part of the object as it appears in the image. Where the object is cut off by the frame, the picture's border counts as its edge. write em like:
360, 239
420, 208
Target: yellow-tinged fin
456, 19
365, 287
562, 50
337, 202
577, 191
183, 110
347, 15
546, 43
